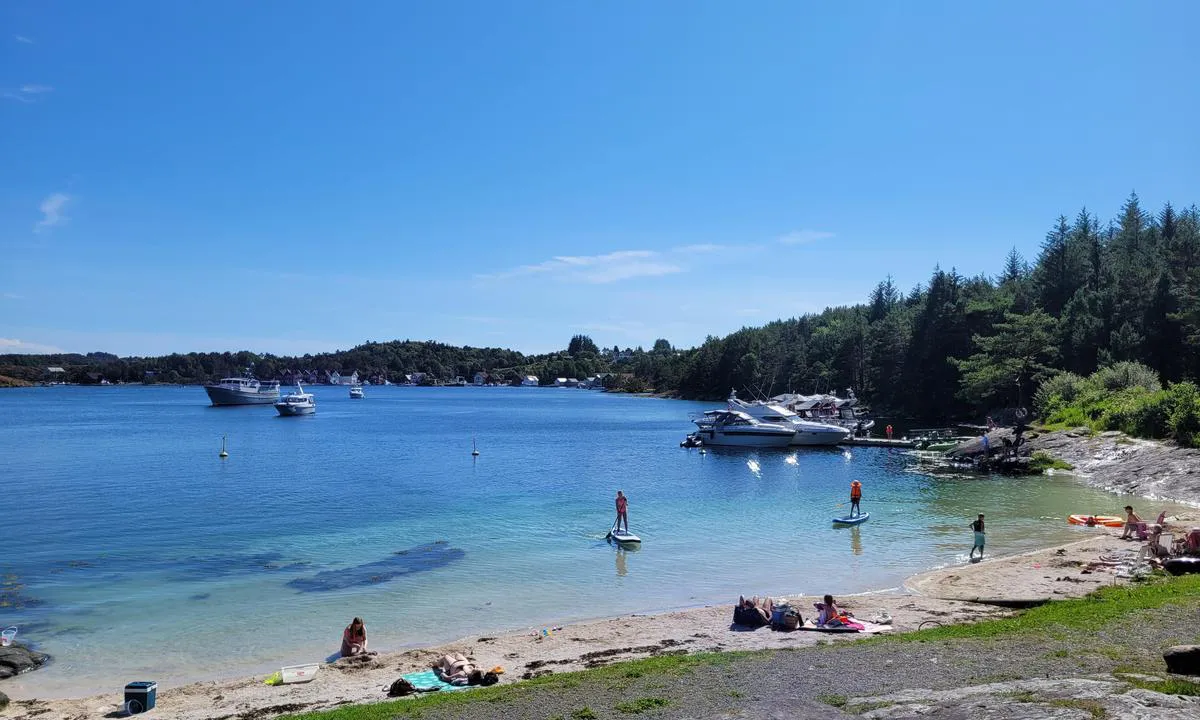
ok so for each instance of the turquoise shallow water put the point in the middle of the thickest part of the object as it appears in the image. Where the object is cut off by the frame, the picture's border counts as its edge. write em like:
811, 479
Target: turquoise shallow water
130, 550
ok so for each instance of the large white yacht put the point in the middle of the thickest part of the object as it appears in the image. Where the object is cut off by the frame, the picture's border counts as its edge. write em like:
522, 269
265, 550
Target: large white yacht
243, 391
297, 403
808, 432
736, 428
356, 392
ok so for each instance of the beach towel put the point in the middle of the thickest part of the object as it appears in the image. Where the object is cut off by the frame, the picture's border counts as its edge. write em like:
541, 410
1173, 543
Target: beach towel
854, 626
428, 680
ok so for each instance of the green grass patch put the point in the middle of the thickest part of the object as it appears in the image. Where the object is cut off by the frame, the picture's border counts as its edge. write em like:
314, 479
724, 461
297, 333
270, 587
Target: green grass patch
834, 700
1091, 613
736, 694
1042, 461
1021, 696
583, 713
641, 705
1172, 686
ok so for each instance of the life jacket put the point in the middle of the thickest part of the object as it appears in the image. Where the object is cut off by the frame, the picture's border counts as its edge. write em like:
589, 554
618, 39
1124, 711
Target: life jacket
856, 490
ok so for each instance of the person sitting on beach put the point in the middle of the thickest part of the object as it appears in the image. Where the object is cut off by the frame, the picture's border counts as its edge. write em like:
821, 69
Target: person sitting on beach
354, 638
456, 669
827, 611
1133, 524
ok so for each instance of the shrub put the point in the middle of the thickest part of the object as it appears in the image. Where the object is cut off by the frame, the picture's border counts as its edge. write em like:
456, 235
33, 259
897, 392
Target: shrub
1125, 375
1058, 392
1184, 418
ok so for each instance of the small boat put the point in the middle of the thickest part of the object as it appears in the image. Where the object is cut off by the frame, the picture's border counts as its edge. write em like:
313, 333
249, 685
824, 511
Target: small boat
298, 673
297, 403
356, 392
852, 519
1094, 520
8, 635
623, 537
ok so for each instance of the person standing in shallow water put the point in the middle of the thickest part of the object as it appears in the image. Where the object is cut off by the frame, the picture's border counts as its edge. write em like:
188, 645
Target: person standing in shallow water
977, 527
622, 511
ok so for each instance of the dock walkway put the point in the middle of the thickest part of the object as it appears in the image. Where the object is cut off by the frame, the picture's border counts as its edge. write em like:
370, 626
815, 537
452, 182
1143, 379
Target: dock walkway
878, 442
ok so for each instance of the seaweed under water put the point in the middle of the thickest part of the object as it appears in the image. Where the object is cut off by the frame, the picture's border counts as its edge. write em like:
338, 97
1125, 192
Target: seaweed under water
420, 558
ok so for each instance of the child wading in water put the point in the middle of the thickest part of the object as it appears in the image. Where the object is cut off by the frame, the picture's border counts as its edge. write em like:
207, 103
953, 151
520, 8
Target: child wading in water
622, 507
977, 526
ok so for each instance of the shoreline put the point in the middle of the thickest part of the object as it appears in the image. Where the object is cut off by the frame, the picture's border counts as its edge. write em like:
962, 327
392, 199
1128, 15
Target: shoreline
943, 595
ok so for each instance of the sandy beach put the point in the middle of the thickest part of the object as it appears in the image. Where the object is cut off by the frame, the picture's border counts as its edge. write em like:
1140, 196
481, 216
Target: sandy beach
955, 594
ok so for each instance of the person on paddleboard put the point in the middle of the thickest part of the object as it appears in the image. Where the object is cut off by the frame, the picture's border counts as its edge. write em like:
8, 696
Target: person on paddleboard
855, 498
622, 508
977, 527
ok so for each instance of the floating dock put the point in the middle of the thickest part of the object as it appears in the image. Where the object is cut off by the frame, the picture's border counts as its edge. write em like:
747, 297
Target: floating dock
878, 442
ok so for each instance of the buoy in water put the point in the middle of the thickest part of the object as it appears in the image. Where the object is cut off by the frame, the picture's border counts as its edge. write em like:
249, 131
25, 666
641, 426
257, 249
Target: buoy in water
474, 450
223, 454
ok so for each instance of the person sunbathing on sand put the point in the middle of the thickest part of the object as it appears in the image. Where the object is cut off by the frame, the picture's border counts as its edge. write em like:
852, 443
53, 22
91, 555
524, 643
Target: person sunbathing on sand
764, 607
354, 638
456, 669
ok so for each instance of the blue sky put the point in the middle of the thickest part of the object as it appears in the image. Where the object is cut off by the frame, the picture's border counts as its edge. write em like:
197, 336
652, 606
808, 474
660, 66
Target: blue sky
296, 177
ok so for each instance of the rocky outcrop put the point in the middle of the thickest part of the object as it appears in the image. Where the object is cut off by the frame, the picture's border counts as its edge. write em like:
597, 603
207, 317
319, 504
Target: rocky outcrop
17, 659
1069, 699
3, 701
1114, 461
1183, 659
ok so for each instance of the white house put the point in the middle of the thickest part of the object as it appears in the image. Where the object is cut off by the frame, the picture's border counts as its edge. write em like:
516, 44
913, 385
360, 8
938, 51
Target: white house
481, 378
530, 381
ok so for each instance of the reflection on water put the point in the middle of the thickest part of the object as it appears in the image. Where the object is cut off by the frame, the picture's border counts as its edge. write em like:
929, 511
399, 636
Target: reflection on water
856, 540
622, 570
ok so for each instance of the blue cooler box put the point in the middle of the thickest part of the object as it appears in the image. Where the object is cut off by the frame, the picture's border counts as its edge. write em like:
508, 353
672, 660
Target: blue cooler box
140, 696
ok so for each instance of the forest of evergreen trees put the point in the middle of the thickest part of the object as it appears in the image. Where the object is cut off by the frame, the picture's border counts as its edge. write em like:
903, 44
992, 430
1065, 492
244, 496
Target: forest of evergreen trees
954, 347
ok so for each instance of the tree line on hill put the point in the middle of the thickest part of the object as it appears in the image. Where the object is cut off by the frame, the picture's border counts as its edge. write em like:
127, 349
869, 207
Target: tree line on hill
953, 347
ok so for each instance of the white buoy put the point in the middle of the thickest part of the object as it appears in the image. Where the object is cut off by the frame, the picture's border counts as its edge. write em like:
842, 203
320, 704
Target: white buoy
474, 450
223, 454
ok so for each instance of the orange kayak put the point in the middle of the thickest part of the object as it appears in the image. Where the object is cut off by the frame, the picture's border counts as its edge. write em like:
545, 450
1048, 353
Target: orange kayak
1105, 520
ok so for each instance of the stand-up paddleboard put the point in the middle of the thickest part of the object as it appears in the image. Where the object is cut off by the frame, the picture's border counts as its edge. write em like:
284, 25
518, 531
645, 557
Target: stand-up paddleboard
623, 537
852, 519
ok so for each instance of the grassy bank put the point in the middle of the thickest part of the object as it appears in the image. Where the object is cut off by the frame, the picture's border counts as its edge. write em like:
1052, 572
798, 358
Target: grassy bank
646, 682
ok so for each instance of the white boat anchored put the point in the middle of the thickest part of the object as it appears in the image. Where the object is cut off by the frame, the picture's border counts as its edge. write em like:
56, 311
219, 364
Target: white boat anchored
808, 432
356, 392
297, 403
734, 428
243, 391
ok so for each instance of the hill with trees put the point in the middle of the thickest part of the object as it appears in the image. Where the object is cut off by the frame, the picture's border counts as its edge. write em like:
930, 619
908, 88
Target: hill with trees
953, 347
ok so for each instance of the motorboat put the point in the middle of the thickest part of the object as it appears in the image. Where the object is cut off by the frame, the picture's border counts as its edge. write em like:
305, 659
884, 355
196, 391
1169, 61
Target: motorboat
243, 391
356, 392
808, 432
297, 403
828, 409
737, 429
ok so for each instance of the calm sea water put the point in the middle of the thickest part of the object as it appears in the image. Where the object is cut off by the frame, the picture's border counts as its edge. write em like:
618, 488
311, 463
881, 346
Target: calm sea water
131, 551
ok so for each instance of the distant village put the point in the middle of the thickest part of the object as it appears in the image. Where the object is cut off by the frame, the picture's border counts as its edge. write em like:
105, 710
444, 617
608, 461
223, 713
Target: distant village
480, 379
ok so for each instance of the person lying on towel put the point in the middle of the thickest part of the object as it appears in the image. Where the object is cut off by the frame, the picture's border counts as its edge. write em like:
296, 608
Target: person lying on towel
456, 669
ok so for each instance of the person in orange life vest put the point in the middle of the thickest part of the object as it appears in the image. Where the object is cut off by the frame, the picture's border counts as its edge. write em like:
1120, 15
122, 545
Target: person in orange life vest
889, 432
622, 507
855, 498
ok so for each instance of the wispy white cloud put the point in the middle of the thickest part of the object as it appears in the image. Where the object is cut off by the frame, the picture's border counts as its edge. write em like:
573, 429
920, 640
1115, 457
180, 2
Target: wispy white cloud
702, 248
13, 346
595, 269
10, 296
23, 39
802, 237
53, 212
29, 93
